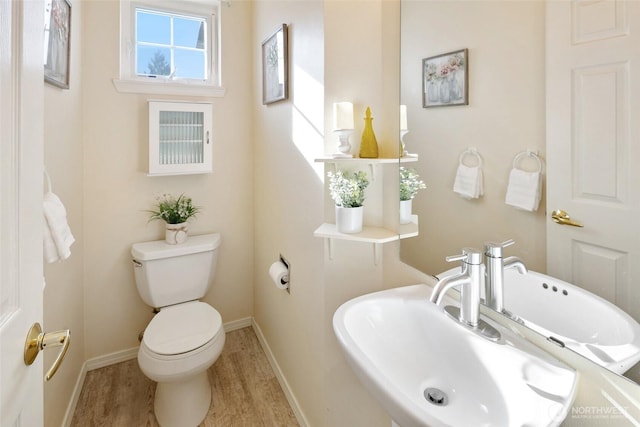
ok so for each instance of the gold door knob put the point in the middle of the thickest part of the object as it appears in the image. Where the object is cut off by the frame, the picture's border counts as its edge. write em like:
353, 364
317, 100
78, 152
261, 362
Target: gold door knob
37, 340
561, 217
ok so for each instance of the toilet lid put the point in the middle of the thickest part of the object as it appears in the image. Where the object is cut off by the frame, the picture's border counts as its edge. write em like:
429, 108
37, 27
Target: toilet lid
182, 328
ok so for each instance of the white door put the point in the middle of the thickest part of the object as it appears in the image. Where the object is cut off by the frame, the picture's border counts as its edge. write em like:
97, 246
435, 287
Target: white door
593, 146
21, 157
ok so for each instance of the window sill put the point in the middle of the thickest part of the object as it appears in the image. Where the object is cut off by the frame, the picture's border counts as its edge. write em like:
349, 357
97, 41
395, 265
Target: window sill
167, 88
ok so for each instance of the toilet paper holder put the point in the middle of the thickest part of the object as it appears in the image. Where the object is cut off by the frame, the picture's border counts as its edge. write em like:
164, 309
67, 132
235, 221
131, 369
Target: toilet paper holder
280, 274
286, 263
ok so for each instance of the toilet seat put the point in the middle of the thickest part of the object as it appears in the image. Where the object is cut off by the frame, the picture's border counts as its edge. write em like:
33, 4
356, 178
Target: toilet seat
182, 328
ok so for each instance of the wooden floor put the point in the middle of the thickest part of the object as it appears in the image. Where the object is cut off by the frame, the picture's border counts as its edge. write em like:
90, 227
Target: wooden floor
245, 391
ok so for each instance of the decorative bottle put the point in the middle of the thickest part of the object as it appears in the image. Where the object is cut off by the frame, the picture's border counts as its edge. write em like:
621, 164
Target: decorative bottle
368, 144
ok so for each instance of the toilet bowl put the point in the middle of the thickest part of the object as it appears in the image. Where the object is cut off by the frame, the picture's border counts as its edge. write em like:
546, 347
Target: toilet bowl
178, 346
186, 336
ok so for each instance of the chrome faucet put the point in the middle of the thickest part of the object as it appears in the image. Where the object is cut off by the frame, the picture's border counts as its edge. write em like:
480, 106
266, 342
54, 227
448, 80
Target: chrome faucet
470, 282
495, 265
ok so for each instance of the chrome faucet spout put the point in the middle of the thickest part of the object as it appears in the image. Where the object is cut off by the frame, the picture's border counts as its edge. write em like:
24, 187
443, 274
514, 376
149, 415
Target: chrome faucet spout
445, 284
517, 263
469, 280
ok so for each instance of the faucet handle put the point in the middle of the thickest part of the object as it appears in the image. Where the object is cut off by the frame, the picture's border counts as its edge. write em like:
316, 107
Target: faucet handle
468, 255
494, 250
460, 257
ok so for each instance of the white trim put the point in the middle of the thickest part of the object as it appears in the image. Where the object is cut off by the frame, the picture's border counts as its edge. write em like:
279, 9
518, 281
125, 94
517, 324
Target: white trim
238, 324
167, 88
75, 396
129, 82
293, 402
111, 358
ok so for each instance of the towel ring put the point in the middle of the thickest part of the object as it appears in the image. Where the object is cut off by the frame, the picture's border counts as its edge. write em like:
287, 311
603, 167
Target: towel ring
528, 153
46, 175
472, 152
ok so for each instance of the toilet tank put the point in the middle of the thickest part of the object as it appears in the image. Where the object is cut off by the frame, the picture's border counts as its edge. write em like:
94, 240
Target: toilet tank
170, 274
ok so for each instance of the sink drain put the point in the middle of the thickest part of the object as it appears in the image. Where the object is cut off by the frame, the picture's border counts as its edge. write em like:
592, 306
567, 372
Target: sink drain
436, 396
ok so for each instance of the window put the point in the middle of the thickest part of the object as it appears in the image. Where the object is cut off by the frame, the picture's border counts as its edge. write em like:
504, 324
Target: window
169, 50
170, 46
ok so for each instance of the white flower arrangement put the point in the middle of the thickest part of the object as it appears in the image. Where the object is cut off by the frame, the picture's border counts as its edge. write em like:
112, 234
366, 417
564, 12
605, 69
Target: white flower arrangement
410, 183
174, 210
347, 188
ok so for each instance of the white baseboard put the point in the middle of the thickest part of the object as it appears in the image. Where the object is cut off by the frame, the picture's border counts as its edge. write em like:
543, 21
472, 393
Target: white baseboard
293, 402
71, 407
123, 356
238, 324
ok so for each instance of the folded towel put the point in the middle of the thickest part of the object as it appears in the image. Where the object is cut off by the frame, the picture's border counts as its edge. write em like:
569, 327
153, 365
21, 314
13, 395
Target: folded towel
468, 182
524, 189
50, 251
57, 234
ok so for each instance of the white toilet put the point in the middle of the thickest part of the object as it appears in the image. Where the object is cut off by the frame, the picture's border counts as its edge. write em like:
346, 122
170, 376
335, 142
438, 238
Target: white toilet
186, 336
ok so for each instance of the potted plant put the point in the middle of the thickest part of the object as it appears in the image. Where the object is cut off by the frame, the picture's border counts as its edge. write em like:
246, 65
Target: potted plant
347, 191
175, 212
410, 183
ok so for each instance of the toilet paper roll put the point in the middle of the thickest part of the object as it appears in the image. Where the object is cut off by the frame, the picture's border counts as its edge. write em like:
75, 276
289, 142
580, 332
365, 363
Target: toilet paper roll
279, 274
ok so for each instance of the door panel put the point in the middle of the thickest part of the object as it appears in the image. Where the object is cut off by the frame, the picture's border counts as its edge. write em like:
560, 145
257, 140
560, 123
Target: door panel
21, 156
593, 146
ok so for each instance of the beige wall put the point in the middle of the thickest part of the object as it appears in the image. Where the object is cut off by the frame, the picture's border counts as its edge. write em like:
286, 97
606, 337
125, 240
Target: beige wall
505, 115
288, 195
117, 190
328, 65
64, 293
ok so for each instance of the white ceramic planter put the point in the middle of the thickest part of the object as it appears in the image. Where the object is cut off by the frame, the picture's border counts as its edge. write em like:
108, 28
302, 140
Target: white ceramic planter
349, 220
176, 233
405, 211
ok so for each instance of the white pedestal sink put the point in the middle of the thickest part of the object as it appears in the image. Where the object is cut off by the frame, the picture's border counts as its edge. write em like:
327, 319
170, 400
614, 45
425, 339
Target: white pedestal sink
584, 322
575, 318
426, 369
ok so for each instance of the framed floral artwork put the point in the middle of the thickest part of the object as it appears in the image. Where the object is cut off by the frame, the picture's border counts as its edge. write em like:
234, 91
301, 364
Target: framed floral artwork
275, 66
445, 79
57, 38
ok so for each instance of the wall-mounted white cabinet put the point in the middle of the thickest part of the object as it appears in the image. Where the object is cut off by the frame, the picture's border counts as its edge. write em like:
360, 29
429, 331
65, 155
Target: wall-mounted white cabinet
180, 138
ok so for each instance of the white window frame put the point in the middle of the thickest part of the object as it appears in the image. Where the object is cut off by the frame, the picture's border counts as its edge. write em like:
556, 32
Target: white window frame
130, 82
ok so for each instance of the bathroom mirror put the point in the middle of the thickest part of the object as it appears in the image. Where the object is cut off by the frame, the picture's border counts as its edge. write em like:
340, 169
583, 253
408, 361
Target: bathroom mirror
505, 116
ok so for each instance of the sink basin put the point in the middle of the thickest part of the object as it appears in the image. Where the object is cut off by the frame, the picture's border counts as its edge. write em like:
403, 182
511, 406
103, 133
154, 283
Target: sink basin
584, 322
426, 369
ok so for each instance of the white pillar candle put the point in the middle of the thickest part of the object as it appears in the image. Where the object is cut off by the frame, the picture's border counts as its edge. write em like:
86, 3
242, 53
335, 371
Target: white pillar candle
342, 115
403, 117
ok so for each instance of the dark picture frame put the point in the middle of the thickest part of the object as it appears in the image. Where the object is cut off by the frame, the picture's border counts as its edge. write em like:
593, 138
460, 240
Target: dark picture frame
445, 79
275, 66
57, 42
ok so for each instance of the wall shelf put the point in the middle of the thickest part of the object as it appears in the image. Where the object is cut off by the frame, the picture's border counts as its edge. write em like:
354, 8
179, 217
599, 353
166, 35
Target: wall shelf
369, 234
365, 161
372, 163
375, 235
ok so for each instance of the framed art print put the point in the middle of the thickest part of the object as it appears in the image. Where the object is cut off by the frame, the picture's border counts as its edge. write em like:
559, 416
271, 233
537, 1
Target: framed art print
445, 79
275, 66
57, 37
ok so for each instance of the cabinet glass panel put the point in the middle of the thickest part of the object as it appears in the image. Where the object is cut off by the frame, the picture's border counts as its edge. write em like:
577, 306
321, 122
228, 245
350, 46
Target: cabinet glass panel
181, 137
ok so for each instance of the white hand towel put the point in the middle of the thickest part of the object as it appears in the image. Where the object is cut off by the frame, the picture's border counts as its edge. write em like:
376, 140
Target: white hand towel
50, 251
468, 182
524, 190
57, 229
